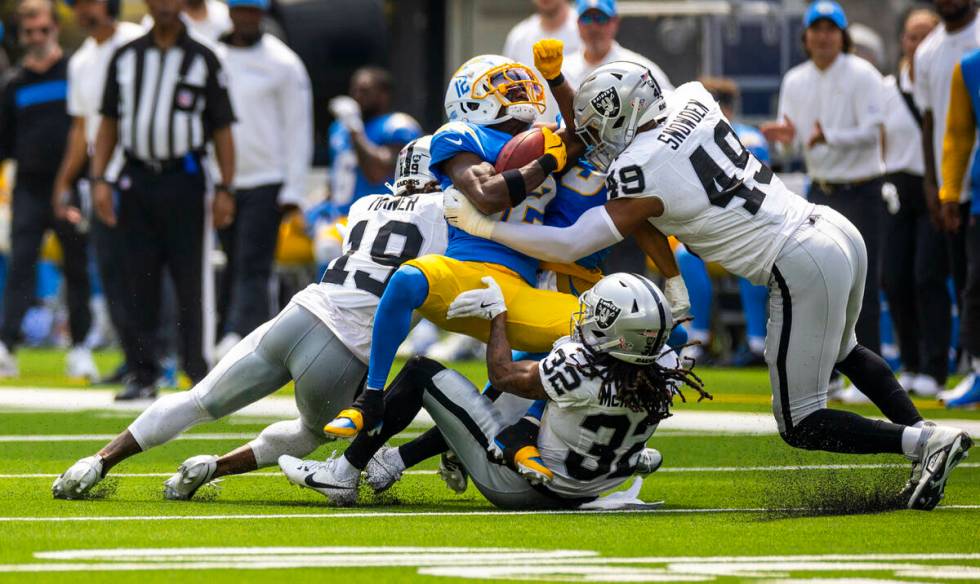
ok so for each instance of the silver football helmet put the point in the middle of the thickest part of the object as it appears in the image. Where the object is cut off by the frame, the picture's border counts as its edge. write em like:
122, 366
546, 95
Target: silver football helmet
626, 316
412, 170
612, 102
488, 84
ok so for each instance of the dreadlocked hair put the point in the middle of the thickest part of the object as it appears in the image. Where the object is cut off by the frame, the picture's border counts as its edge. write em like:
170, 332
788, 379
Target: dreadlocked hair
650, 388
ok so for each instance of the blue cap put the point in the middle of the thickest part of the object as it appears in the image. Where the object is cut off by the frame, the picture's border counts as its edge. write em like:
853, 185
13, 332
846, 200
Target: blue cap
607, 7
260, 4
825, 9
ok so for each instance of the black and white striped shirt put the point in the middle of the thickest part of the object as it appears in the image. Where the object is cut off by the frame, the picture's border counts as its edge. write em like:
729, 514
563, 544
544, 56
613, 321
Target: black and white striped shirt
168, 101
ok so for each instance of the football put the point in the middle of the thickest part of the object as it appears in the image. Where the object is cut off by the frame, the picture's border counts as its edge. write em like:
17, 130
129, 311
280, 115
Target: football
520, 150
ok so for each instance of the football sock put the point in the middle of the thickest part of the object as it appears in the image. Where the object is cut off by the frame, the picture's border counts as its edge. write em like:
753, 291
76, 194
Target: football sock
287, 437
407, 289
166, 418
700, 291
845, 432
910, 441
754, 300
872, 376
429, 444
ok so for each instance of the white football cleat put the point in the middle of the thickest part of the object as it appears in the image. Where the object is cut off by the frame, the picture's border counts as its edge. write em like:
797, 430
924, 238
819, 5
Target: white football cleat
79, 364
925, 386
961, 388
943, 449
8, 363
906, 380
384, 469
648, 462
852, 395
191, 475
452, 473
322, 478
78, 479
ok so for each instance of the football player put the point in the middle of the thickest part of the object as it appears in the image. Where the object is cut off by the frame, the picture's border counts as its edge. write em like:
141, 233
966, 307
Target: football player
678, 164
320, 340
607, 386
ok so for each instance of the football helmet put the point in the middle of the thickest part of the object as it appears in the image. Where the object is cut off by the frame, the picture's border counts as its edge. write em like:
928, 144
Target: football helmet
625, 315
412, 170
487, 84
612, 102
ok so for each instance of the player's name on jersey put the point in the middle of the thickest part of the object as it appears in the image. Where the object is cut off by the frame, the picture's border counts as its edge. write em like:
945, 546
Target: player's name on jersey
683, 124
393, 203
608, 397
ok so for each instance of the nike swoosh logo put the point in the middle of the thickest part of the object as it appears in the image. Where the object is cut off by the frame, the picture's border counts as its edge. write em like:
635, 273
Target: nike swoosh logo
318, 485
456, 141
485, 305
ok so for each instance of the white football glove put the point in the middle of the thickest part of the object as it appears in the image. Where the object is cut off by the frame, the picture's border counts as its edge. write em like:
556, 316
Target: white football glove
485, 303
676, 292
461, 213
348, 113
889, 194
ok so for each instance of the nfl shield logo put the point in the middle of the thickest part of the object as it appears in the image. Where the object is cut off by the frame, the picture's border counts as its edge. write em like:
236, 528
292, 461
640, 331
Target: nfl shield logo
185, 99
606, 313
607, 102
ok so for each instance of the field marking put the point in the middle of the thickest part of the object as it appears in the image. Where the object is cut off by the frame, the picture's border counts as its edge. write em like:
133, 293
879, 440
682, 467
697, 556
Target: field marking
106, 437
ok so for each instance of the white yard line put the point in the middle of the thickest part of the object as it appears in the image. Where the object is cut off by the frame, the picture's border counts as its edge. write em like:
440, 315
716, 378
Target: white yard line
107, 437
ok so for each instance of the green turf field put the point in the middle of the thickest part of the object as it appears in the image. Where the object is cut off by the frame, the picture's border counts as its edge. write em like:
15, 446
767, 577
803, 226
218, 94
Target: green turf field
738, 507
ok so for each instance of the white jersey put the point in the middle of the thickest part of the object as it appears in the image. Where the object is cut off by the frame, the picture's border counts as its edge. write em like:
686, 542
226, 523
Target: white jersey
719, 200
587, 438
383, 232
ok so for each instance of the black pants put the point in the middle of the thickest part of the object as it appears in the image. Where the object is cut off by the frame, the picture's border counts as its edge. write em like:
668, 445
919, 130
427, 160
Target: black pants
914, 272
162, 218
110, 255
970, 312
862, 205
250, 245
956, 252
31, 216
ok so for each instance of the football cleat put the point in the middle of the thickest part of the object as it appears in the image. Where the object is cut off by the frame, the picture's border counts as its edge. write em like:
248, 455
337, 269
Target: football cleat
367, 411
969, 398
191, 475
944, 448
322, 478
648, 461
531, 467
382, 471
79, 364
8, 363
916, 474
78, 479
452, 473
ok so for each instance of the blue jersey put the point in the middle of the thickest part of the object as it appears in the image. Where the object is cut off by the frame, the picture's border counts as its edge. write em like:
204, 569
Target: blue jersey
753, 140
579, 189
347, 181
456, 137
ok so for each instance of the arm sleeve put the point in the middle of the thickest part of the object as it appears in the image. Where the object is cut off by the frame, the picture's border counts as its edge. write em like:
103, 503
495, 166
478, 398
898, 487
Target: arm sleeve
562, 380
958, 138
296, 101
868, 95
593, 231
217, 108
110, 94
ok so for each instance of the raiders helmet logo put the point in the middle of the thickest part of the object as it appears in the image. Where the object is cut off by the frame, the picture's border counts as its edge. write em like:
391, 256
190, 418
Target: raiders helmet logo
606, 313
607, 102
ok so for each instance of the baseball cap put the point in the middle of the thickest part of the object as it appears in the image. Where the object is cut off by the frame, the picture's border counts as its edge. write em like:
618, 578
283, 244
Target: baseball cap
607, 7
825, 9
260, 4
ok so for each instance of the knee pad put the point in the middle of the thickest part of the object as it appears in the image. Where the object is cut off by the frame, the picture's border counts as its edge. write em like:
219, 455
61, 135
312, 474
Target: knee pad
288, 437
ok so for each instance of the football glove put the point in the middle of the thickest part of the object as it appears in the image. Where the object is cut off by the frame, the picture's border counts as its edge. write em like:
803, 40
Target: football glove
485, 303
555, 147
676, 292
461, 213
548, 57
347, 112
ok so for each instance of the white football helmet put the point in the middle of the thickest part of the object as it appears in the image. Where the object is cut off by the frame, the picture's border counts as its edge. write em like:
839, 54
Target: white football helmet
625, 315
612, 102
412, 170
486, 84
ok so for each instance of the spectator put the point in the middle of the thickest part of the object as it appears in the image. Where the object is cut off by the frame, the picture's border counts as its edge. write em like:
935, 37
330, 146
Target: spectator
598, 24
270, 91
935, 59
914, 263
33, 128
831, 107
208, 18
162, 187
553, 19
86, 80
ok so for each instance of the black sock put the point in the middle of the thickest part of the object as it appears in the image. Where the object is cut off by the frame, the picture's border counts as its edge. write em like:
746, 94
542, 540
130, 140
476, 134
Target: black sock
872, 376
845, 432
403, 401
429, 444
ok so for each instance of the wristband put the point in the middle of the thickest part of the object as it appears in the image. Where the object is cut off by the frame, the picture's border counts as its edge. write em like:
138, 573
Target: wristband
223, 187
549, 163
97, 179
556, 81
516, 189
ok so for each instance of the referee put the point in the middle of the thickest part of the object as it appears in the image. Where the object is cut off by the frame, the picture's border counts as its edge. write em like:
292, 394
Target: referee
165, 97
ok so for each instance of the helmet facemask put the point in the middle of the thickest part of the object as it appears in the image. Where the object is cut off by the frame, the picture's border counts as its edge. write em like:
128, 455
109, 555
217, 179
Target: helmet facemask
517, 89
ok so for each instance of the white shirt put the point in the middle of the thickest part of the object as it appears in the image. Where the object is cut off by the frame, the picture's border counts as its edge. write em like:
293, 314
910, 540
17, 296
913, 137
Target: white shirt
847, 99
935, 60
348, 296
903, 137
576, 69
211, 28
520, 43
270, 93
719, 200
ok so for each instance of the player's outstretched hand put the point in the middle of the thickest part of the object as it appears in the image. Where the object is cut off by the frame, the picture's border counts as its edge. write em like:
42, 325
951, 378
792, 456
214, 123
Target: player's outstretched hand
484, 303
554, 146
676, 292
348, 113
461, 213
548, 56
